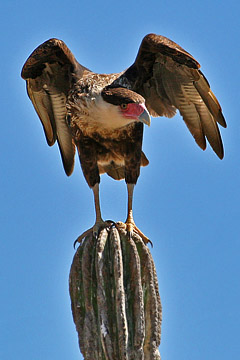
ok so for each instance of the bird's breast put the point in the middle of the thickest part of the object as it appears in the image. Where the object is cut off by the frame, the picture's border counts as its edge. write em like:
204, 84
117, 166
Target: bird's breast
98, 131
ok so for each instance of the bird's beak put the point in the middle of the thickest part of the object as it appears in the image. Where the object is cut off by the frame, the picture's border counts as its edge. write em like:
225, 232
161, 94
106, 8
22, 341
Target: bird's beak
145, 117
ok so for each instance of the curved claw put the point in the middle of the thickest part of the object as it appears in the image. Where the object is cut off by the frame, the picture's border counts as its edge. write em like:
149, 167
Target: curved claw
95, 229
141, 234
82, 236
130, 227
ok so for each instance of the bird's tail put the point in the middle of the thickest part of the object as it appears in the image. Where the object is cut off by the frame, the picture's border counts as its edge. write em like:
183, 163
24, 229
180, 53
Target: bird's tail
116, 171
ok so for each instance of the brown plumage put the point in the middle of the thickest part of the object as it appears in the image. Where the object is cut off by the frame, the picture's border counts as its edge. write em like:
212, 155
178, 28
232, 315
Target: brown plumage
102, 115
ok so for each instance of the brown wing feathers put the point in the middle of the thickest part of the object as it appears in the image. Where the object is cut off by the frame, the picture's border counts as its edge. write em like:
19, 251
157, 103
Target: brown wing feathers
48, 72
43, 107
168, 77
51, 51
210, 99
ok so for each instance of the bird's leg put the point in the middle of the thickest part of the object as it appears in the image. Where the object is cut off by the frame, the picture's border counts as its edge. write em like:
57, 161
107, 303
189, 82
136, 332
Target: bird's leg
99, 221
129, 223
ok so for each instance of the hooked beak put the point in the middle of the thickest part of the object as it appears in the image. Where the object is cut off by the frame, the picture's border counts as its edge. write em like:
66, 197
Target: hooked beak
145, 117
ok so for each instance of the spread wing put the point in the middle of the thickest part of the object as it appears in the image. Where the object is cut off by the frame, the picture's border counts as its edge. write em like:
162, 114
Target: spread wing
169, 78
49, 72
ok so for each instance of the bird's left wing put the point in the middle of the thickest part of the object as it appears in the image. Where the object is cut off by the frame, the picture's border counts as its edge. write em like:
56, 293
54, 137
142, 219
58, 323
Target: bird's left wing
169, 78
49, 71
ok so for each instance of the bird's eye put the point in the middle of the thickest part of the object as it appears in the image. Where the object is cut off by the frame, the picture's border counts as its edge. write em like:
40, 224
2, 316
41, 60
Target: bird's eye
124, 106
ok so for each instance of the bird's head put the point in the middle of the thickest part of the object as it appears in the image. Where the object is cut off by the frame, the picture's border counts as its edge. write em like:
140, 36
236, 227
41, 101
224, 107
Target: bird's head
129, 105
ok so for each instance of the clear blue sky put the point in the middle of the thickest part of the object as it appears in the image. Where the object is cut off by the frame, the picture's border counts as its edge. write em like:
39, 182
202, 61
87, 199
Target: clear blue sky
186, 201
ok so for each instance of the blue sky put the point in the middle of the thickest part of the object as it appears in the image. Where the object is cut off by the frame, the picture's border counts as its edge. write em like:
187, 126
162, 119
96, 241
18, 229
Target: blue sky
186, 200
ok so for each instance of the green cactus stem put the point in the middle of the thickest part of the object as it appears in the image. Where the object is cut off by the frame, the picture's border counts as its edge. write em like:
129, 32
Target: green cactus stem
115, 299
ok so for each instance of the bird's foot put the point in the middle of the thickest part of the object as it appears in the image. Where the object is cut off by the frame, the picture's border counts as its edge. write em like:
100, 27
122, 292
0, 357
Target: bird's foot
95, 229
130, 227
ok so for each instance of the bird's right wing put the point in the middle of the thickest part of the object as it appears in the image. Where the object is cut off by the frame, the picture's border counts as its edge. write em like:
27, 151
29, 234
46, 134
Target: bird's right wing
49, 72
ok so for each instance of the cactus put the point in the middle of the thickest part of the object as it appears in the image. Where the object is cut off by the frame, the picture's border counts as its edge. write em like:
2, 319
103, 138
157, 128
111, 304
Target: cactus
115, 300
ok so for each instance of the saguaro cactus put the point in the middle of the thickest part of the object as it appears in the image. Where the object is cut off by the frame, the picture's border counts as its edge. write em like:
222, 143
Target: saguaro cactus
115, 300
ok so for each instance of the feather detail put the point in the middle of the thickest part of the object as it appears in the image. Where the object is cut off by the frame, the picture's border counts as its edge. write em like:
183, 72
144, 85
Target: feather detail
168, 77
64, 137
43, 107
210, 99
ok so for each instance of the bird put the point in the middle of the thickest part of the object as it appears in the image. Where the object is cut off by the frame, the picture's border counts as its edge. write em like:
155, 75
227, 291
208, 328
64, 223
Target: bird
103, 115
